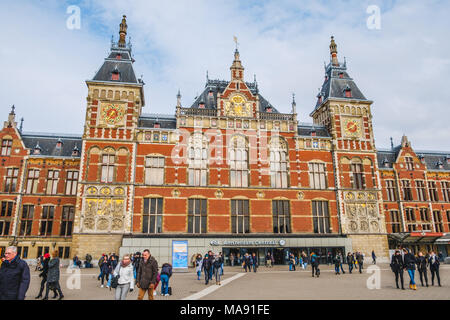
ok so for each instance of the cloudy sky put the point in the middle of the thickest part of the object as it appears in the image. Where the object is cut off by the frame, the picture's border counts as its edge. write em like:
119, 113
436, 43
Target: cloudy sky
401, 66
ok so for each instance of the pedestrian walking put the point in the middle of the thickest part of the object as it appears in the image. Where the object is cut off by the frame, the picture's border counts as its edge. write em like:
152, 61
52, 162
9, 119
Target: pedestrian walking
304, 260
329, 258
146, 276
315, 265
221, 266
231, 257
198, 266
397, 266
338, 263
166, 273
100, 262
217, 263
350, 262
53, 276
254, 262
112, 264
125, 278
136, 261
247, 262
360, 261
374, 257
291, 262
104, 271
206, 266
410, 266
422, 266
43, 275
434, 268
211, 261
14, 276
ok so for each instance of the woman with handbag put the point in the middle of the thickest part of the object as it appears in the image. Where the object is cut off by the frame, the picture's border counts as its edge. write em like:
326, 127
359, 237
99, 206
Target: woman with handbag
123, 278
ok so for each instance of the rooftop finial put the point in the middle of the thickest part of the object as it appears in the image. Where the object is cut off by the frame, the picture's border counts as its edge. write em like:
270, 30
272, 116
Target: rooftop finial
179, 98
207, 76
12, 109
123, 32
21, 124
294, 104
236, 41
333, 52
237, 70
392, 143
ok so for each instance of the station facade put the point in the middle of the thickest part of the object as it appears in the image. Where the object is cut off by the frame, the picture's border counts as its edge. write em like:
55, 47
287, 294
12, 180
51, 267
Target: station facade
227, 173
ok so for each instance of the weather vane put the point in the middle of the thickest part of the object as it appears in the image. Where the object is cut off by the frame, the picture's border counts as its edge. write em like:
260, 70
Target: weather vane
236, 41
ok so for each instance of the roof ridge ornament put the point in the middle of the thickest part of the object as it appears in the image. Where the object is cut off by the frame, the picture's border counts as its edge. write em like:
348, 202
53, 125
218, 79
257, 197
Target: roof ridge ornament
123, 32
333, 52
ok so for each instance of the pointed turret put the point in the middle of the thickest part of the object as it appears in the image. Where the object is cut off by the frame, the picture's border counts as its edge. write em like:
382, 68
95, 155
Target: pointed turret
333, 52
237, 70
123, 32
11, 123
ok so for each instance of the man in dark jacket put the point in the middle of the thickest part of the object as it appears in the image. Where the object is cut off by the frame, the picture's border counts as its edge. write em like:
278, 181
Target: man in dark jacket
166, 273
14, 276
422, 265
360, 260
397, 266
350, 262
206, 266
146, 277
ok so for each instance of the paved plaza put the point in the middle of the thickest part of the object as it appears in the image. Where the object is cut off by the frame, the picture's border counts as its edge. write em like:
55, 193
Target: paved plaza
276, 283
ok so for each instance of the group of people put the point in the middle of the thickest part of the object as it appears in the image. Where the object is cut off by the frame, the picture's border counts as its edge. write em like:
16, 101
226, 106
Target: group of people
404, 260
210, 264
140, 270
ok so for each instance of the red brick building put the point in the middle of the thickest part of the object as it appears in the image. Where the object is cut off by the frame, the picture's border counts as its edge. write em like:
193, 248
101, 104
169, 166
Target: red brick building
228, 173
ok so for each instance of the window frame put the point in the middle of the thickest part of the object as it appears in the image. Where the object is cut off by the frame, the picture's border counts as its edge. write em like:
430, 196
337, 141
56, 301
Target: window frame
6, 147
240, 216
107, 169
154, 172
67, 221
317, 175
71, 182
47, 220
197, 217
281, 215
26, 220
152, 220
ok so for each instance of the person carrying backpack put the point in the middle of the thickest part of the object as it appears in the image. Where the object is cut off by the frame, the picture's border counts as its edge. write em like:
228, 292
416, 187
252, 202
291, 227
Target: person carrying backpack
315, 265
198, 266
166, 273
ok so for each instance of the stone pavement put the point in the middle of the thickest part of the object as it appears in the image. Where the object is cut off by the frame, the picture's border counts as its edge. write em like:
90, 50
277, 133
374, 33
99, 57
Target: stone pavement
276, 283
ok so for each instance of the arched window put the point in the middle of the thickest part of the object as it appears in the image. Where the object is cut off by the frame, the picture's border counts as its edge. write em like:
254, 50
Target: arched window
238, 159
198, 160
108, 164
278, 164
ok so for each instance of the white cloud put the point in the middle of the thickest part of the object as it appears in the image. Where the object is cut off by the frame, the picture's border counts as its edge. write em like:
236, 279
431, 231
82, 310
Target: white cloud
401, 67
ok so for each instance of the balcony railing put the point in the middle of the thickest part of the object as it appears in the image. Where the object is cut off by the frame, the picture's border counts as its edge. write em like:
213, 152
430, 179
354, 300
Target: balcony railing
198, 112
276, 116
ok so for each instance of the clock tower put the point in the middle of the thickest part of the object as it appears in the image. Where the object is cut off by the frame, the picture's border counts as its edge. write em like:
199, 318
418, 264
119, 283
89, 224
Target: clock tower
346, 112
105, 190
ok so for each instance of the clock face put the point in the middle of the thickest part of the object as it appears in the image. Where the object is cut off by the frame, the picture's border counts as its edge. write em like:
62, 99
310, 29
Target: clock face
352, 127
113, 113
238, 106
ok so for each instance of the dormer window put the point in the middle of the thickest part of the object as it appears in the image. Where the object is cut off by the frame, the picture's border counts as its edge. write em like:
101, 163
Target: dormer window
119, 56
157, 125
386, 163
210, 93
348, 92
269, 109
59, 144
440, 165
201, 105
37, 149
75, 152
341, 75
115, 76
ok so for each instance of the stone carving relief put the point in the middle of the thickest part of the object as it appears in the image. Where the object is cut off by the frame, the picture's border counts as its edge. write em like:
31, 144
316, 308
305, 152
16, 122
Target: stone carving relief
104, 209
361, 210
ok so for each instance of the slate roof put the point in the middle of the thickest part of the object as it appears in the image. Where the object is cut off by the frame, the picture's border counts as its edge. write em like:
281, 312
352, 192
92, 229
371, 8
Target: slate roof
432, 158
334, 86
124, 66
47, 142
212, 87
148, 120
307, 129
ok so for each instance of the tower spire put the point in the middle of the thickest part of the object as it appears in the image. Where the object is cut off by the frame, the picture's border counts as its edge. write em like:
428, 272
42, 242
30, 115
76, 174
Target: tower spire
237, 70
123, 32
333, 52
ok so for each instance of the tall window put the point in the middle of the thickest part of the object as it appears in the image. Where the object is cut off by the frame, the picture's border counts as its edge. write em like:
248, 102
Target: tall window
52, 182
278, 164
108, 161
48, 213
197, 216
32, 180
5, 217
321, 217
421, 190
238, 157
152, 219
406, 188
395, 221
11, 180
67, 217
281, 216
154, 170
433, 191
446, 190
390, 189
71, 183
410, 219
409, 163
358, 176
6, 147
425, 218
448, 219
198, 160
26, 220
240, 219
317, 176
438, 225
